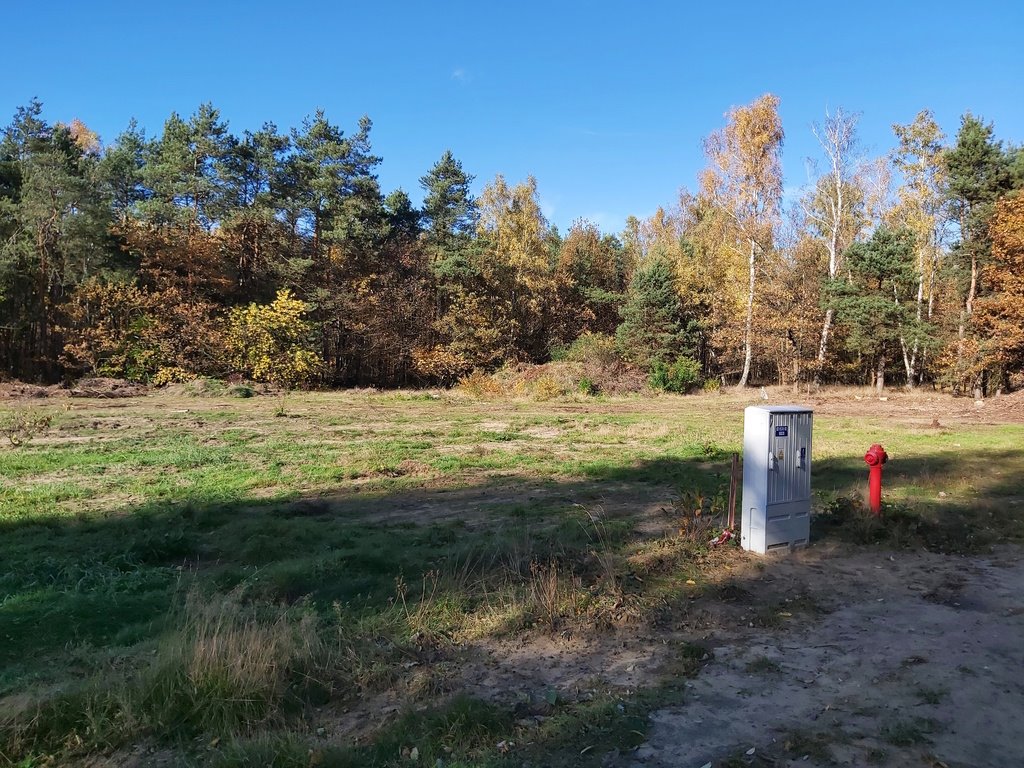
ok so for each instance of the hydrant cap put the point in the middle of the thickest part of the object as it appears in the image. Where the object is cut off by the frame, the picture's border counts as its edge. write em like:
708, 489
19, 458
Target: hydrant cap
876, 455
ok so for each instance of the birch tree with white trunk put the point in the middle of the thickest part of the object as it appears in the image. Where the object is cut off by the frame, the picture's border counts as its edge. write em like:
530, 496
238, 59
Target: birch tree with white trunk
744, 179
836, 205
919, 208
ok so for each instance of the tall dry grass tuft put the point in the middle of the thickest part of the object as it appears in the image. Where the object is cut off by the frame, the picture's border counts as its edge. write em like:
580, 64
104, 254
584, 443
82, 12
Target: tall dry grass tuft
481, 386
554, 598
544, 593
602, 552
227, 668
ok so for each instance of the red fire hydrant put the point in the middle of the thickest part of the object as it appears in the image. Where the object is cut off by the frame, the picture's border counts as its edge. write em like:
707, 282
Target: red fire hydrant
875, 458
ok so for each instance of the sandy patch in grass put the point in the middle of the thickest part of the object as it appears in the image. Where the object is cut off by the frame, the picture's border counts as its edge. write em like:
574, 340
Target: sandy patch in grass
917, 660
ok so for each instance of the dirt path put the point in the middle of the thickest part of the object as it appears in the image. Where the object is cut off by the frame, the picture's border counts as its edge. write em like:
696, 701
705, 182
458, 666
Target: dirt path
919, 664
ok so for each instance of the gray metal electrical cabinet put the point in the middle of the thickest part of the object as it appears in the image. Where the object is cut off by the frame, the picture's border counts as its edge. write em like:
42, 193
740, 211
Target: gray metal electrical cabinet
776, 506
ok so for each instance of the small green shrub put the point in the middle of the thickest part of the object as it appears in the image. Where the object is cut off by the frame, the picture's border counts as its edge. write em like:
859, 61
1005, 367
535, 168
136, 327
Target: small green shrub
242, 390
206, 387
681, 376
907, 733
265, 750
589, 349
762, 665
587, 387
462, 732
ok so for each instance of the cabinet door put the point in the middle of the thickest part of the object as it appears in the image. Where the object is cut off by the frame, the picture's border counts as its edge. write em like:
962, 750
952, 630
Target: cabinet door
789, 469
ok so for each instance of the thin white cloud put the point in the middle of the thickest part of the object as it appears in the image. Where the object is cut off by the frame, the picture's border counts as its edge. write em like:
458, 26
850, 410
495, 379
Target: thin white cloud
610, 134
460, 75
548, 206
792, 192
603, 220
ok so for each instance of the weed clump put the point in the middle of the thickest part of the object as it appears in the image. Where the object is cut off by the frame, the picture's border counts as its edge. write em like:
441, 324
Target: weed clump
552, 597
907, 733
481, 386
21, 426
903, 527
242, 390
802, 744
206, 387
762, 665
227, 668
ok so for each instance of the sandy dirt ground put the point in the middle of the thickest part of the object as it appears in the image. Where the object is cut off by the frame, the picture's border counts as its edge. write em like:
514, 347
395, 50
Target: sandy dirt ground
918, 663
921, 406
909, 659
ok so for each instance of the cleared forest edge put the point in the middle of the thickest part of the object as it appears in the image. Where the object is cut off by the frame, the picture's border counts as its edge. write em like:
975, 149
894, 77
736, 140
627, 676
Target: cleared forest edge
340, 578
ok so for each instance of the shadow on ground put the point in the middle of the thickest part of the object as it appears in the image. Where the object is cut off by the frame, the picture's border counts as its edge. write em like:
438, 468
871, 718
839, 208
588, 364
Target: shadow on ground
110, 580
72, 586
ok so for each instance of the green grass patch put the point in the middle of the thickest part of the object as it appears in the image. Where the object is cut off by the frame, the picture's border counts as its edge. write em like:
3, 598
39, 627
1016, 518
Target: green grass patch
909, 733
326, 549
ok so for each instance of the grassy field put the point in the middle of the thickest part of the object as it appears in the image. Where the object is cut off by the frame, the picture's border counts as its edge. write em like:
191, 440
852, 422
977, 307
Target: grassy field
208, 581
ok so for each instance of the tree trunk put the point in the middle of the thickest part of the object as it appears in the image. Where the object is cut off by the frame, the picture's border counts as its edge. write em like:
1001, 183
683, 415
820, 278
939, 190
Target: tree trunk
931, 308
747, 341
908, 362
911, 362
979, 391
880, 375
974, 285
823, 346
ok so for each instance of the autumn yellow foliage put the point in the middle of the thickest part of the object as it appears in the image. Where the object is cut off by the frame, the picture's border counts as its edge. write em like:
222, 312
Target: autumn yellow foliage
439, 363
1000, 313
172, 374
274, 342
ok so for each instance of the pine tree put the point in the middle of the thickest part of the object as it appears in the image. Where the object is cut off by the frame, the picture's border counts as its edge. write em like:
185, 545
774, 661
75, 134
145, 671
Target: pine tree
55, 222
978, 173
875, 302
253, 230
121, 172
186, 170
402, 216
654, 328
449, 210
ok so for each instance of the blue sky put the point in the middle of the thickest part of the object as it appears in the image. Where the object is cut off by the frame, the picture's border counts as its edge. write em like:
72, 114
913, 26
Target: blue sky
605, 103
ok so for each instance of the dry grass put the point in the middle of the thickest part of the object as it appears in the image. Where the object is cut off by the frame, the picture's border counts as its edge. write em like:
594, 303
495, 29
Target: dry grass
480, 385
602, 550
20, 426
550, 597
228, 668
369, 489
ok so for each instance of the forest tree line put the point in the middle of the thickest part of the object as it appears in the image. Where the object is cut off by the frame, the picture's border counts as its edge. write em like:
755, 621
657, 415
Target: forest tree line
277, 255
